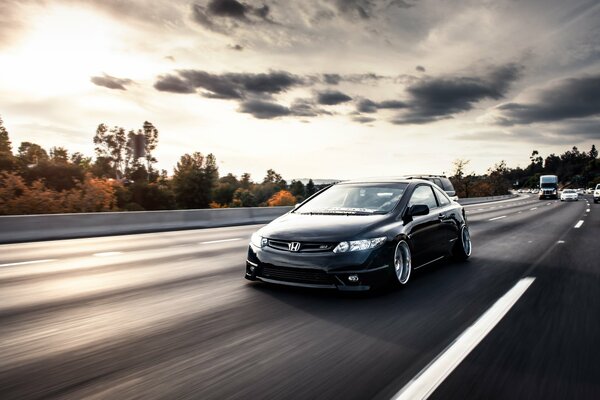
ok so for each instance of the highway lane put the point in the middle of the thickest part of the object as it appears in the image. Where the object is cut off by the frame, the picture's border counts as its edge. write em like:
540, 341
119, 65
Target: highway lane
169, 315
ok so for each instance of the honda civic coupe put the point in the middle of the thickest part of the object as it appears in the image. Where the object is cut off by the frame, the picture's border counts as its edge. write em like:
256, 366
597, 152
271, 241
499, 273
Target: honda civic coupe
360, 235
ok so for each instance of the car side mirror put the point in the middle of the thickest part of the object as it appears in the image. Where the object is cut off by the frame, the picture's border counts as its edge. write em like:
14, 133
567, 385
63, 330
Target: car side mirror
417, 209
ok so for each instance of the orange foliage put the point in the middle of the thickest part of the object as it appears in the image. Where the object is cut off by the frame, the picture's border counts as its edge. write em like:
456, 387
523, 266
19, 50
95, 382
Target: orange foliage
214, 204
282, 198
16, 197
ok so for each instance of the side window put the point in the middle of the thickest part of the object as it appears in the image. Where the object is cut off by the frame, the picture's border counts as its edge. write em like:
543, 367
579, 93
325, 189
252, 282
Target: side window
442, 198
438, 182
423, 195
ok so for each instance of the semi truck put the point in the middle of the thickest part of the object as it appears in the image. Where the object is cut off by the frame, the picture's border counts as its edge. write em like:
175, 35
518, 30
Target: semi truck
548, 187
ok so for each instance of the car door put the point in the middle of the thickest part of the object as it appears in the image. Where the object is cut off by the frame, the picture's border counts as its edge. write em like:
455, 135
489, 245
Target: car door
448, 223
424, 232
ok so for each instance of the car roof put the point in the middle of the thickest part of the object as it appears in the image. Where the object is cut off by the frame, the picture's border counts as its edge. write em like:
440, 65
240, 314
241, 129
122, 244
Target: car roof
385, 179
412, 176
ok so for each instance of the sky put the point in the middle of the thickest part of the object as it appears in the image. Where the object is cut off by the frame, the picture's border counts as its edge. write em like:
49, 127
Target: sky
323, 89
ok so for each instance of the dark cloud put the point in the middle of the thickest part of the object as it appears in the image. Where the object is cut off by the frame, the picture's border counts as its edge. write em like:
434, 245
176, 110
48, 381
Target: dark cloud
223, 16
332, 79
227, 8
174, 84
366, 9
360, 8
228, 85
306, 108
433, 99
332, 97
369, 106
567, 99
111, 82
420, 68
263, 109
236, 47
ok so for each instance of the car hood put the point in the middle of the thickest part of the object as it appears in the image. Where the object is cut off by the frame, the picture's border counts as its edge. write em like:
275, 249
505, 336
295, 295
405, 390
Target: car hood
322, 228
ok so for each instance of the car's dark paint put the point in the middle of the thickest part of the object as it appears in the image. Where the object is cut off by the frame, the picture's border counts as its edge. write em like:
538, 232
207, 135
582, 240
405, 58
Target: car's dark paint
430, 237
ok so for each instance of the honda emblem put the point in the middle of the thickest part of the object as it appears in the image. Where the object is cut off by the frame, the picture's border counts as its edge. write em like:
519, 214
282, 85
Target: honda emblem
294, 246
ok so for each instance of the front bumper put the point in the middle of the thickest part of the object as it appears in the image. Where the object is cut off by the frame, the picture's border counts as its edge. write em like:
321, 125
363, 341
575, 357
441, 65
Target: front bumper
570, 198
345, 272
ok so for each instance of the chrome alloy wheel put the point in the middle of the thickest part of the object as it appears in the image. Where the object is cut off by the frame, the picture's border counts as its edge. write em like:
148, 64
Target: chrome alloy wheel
402, 262
466, 240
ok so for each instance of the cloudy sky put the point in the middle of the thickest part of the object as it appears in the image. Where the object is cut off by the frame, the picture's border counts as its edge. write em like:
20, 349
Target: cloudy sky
323, 89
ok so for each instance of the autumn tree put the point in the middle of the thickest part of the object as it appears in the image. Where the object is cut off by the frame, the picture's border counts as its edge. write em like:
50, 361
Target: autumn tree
281, 198
462, 181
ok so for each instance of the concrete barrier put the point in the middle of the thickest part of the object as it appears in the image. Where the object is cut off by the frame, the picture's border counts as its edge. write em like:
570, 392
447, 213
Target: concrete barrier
477, 200
26, 228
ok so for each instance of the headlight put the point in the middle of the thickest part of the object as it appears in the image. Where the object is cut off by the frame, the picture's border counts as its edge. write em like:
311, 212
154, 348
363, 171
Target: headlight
356, 245
257, 240
554, 191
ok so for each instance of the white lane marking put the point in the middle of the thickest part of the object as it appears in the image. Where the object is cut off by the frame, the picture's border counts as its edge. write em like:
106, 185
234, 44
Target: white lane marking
493, 219
534, 208
480, 209
424, 384
28, 262
220, 241
578, 225
561, 241
108, 254
588, 210
519, 212
548, 204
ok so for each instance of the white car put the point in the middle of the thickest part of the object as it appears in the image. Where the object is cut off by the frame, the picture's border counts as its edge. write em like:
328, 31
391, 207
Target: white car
597, 193
569, 194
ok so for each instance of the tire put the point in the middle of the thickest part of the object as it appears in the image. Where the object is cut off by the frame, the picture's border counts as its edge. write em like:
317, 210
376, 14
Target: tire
463, 246
402, 263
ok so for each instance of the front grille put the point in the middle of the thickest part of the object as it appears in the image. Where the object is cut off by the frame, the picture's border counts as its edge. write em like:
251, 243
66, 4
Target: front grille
305, 247
299, 275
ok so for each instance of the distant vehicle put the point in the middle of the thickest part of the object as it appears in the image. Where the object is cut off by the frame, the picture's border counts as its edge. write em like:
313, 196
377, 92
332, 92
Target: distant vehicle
597, 193
520, 191
359, 235
569, 195
441, 180
590, 191
548, 187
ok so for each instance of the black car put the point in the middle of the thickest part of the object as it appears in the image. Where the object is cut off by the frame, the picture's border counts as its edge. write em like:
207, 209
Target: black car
357, 235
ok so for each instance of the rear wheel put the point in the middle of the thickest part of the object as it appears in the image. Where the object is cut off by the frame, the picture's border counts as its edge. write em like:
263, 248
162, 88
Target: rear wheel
463, 246
402, 263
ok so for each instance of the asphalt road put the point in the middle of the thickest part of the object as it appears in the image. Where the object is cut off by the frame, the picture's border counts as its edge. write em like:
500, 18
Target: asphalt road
169, 315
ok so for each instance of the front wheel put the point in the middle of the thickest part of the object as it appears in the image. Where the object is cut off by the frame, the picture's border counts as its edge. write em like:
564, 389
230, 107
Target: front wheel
463, 246
402, 263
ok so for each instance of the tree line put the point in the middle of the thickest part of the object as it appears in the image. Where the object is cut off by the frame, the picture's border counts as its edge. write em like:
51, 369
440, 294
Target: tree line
34, 180
574, 168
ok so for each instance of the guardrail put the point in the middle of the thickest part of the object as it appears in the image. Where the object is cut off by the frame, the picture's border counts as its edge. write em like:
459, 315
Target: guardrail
27, 228
476, 200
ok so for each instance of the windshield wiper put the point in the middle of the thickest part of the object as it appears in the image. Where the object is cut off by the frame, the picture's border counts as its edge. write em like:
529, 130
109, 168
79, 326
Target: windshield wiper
341, 211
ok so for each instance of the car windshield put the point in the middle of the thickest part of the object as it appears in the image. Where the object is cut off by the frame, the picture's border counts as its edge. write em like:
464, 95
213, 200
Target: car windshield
355, 199
546, 185
569, 191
